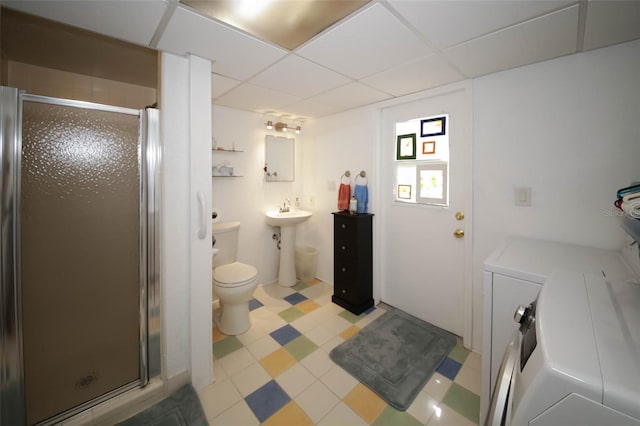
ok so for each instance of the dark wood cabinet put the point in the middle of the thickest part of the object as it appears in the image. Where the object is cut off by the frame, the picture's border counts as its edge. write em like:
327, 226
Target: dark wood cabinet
353, 261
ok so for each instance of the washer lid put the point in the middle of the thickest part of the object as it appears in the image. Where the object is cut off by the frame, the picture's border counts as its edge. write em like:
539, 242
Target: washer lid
615, 308
234, 274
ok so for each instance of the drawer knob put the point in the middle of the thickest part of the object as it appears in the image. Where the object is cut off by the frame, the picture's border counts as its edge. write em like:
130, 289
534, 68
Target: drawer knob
344, 291
344, 269
344, 226
343, 248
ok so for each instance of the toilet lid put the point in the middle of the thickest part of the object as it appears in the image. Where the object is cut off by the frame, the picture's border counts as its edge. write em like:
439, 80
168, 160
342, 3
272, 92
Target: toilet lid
234, 274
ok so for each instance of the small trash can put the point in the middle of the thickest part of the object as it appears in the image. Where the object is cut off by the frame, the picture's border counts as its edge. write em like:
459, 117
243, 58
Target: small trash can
306, 263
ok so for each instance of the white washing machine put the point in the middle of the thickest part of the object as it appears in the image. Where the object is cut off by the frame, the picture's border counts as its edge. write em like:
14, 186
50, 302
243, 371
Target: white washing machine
514, 274
575, 359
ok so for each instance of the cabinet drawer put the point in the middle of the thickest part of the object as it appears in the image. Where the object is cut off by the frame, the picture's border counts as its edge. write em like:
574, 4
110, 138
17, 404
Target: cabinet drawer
344, 271
346, 290
345, 228
344, 248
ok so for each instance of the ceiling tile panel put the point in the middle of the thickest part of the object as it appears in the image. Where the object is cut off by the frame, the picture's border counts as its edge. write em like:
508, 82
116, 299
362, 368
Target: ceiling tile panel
364, 44
447, 23
132, 21
610, 22
309, 108
424, 73
536, 40
299, 77
350, 96
256, 98
236, 54
221, 85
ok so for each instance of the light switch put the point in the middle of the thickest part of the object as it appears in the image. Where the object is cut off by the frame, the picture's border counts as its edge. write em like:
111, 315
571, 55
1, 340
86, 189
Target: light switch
523, 197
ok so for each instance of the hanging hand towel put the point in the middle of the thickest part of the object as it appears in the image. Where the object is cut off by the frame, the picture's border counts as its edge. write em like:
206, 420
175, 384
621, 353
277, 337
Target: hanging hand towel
362, 195
344, 194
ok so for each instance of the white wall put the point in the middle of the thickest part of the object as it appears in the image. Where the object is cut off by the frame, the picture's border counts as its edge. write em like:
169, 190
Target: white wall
338, 143
568, 128
246, 198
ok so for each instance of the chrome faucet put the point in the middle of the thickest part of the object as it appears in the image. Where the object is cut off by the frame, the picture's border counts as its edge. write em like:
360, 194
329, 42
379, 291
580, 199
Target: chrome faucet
286, 206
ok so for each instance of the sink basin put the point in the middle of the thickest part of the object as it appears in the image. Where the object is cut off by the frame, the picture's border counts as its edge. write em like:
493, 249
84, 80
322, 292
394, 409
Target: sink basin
293, 217
287, 222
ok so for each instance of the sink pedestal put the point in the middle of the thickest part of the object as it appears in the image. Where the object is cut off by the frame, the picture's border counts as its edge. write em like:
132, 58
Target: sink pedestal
287, 273
287, 221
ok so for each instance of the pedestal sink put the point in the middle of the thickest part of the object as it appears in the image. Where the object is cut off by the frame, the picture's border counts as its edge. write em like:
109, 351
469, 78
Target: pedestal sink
287, 222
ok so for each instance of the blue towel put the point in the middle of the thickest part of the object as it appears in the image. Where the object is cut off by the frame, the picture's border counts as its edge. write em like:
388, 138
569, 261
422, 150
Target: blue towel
362, 195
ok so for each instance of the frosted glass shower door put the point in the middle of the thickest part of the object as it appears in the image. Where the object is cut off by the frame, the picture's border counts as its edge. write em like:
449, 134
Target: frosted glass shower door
79, 213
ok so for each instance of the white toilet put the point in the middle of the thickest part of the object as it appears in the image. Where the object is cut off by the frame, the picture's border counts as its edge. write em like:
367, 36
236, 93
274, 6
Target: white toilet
233, 282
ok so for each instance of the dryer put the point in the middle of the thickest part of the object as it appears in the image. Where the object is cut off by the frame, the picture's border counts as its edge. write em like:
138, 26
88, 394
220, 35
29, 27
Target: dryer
574, 358
514, 274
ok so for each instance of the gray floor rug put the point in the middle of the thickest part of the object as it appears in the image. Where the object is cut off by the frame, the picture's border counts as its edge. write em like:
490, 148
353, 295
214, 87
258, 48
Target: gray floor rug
395, 355
182, 408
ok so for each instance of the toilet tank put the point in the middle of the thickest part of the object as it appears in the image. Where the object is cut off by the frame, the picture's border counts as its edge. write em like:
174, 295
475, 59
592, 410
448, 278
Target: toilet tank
226, 235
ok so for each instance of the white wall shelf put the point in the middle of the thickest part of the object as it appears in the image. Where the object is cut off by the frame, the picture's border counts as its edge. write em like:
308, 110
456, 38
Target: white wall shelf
224, 150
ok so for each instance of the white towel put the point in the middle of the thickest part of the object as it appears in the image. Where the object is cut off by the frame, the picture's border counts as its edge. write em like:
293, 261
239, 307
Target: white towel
631, 204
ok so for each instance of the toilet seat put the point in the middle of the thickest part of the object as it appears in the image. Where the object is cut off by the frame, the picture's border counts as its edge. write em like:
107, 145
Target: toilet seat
234, 274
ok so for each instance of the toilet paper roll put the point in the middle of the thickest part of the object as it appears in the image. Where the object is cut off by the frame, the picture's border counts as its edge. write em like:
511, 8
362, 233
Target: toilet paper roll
215, 215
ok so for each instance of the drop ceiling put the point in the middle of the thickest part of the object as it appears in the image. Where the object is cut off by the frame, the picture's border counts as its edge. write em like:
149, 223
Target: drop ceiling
382, 50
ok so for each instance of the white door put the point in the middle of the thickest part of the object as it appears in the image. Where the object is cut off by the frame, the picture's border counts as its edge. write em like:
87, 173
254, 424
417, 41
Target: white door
426, 249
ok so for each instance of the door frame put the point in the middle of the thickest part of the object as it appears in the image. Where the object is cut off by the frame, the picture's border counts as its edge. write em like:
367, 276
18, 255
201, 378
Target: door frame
12, 396
379, 249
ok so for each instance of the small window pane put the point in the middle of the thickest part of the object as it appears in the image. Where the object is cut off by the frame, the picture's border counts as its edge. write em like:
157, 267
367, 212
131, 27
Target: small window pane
432, 181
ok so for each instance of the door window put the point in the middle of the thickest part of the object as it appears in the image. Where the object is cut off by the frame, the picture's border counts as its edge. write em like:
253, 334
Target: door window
422, 161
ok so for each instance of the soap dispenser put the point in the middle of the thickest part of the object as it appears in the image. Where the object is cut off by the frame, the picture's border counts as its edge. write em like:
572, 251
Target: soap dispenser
353, 205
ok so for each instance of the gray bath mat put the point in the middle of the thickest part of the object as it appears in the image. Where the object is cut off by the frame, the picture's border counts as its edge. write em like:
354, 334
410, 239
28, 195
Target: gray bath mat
182, 408
395, 356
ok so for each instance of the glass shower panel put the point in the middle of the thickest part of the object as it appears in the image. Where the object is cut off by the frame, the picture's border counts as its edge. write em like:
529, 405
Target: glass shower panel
79, 251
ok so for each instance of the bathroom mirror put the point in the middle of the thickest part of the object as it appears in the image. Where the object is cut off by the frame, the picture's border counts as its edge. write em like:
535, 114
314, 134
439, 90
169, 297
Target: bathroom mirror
279, 159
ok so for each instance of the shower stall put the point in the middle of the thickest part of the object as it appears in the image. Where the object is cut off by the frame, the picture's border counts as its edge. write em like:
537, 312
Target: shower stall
79, 220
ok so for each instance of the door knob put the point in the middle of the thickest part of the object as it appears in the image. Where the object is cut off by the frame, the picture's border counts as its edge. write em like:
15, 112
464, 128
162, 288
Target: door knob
459, 215
458, 233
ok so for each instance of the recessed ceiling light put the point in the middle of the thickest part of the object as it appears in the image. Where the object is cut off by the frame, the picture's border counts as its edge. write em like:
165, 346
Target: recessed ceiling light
287, 23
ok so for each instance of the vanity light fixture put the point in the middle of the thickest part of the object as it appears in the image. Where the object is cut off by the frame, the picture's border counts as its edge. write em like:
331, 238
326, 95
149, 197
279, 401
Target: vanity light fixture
281, 127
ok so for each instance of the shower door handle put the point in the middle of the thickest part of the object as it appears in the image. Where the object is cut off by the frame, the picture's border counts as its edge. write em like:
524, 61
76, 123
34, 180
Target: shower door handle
202, 224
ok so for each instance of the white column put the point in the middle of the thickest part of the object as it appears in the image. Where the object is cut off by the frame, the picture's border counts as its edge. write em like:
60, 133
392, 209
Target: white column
200, 235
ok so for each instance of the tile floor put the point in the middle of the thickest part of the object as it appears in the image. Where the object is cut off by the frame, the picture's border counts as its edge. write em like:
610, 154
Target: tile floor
279, 372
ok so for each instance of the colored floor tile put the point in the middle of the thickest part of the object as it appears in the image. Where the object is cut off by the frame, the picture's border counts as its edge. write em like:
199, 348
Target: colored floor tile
300, 347
218, 335
368, 311
307, 306
295, 298
285, 334
350, 332
289, 415
449, 368
225, 346
291, 314
459, 354
391, 416
268, 399
300, 286
365, 403
463, 401
278, 362
255, 304
352, 318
